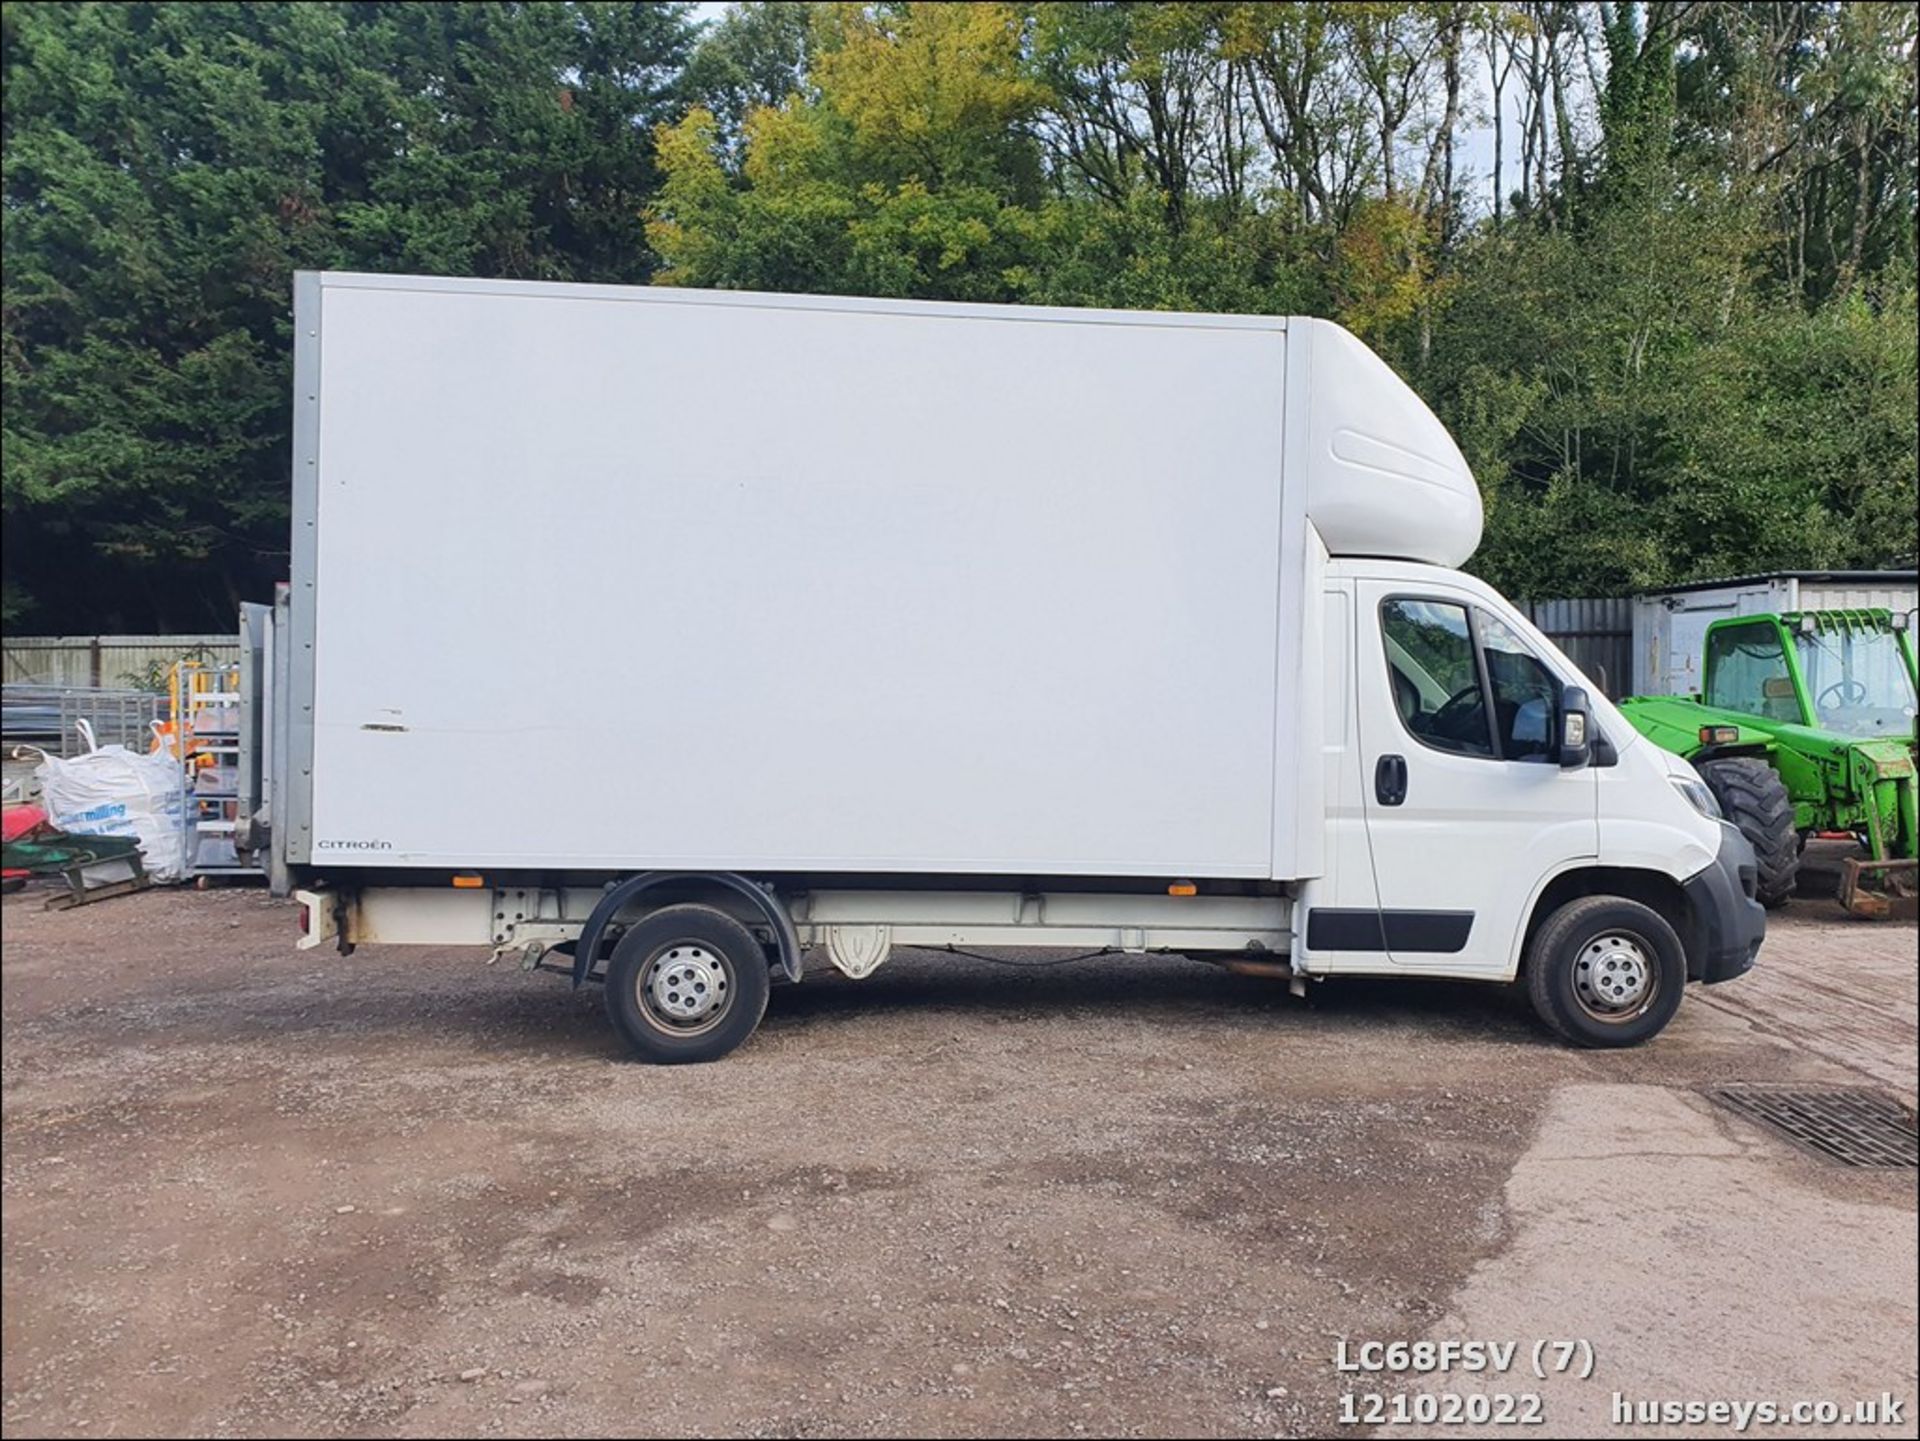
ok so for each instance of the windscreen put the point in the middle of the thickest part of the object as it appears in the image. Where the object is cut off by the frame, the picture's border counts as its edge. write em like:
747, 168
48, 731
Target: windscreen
1857, 680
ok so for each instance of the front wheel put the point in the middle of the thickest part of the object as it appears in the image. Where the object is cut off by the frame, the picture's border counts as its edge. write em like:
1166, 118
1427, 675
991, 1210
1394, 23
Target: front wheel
1606, 972
686, 984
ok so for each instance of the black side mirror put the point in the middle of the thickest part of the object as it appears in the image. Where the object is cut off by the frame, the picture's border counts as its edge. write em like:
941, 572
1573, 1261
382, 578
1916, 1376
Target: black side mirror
1575, 727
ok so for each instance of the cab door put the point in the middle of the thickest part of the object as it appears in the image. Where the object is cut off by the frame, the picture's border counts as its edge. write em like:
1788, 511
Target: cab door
1467, 807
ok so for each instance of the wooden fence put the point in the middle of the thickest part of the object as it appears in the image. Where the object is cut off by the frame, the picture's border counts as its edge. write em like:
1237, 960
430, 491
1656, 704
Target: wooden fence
110, 661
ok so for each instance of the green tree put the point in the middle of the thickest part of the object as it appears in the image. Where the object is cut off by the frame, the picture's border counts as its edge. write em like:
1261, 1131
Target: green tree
755, 55
902, 171
1683, 343
168, 166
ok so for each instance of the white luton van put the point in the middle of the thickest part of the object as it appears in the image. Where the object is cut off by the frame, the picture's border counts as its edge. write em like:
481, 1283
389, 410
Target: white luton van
661, 637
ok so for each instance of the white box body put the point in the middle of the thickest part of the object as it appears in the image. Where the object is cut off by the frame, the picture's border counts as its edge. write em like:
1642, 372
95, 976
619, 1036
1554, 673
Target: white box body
614, 579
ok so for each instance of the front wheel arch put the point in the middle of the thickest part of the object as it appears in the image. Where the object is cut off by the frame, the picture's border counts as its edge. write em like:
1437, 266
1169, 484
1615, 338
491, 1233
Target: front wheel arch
1655, 890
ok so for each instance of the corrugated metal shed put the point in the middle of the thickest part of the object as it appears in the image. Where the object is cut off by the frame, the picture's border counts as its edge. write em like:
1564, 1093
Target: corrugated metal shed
1596, 634
105, 660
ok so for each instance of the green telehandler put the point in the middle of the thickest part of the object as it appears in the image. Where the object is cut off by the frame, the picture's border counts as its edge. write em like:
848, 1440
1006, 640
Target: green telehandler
1805, 726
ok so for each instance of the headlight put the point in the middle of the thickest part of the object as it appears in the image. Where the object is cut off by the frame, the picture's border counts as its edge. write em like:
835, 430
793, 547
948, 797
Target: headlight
1697, 793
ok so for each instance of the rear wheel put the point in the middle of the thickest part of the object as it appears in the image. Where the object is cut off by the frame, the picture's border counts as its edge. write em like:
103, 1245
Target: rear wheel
687, 984
1755, 799
1606, 972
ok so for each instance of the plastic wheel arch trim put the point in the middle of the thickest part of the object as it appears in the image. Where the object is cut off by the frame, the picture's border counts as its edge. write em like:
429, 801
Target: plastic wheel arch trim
763, 900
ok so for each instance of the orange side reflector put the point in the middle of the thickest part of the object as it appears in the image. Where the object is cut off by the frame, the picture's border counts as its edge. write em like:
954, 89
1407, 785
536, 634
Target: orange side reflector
469, 882
1183, 888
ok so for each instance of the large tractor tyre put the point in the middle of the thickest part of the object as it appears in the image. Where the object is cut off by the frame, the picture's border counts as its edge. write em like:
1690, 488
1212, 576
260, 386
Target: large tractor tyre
1755, 799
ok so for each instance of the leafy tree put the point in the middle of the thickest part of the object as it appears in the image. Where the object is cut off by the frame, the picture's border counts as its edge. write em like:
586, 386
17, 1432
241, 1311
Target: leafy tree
1810, 109
755, 55
899, 174
168, 166
930, 93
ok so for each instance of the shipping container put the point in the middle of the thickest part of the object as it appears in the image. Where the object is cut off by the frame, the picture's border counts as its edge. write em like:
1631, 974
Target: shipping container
1669, 626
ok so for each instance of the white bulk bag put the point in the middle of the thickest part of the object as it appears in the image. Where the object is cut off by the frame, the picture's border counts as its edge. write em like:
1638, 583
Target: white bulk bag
111, 791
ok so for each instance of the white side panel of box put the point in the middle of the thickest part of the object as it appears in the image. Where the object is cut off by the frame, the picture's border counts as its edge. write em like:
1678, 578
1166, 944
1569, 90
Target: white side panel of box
630, 579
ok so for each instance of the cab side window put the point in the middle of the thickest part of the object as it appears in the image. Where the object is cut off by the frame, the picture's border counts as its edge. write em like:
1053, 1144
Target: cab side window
1447, 663
1747, 672
1525, 693
1435, 677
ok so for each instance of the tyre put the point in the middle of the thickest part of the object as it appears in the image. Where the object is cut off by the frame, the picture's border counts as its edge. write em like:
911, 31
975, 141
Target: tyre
1755, 799
1606, 972
686, 984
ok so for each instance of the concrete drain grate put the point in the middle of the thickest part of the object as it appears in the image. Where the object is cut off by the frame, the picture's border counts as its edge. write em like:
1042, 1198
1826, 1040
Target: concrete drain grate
1846, 1124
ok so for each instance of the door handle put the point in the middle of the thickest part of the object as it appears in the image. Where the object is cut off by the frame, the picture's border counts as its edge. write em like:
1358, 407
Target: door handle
1390, 780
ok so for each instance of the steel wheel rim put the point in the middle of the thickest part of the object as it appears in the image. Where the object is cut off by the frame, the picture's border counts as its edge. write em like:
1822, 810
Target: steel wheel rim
685, 988
1614, 977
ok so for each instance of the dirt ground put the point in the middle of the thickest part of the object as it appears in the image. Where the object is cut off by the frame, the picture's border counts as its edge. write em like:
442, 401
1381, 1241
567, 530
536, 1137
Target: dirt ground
253, 1191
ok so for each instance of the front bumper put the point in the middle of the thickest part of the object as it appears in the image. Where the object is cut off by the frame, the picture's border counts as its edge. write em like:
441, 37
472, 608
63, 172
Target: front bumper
1729, 923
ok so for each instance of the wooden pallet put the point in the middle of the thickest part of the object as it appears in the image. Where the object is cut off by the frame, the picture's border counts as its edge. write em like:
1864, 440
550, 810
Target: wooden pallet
101, 880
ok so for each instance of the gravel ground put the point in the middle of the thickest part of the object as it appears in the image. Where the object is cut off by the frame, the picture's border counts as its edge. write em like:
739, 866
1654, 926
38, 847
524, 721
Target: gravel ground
252, 1191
